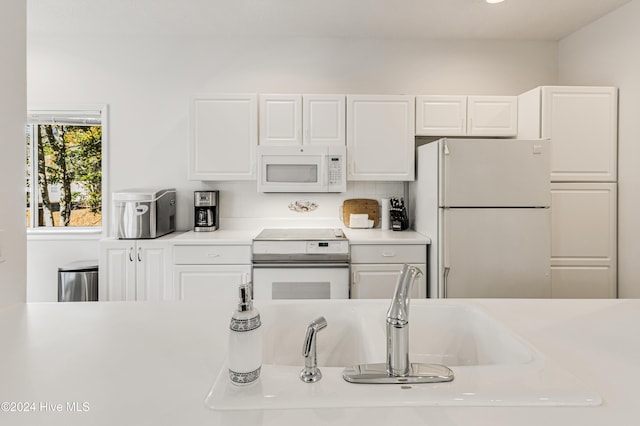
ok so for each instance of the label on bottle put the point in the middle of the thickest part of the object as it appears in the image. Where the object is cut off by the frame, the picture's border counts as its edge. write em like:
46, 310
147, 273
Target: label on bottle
244, 378
242, 325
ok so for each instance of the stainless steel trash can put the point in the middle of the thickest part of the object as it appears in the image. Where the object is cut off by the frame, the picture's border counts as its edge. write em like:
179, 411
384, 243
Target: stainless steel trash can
78, 282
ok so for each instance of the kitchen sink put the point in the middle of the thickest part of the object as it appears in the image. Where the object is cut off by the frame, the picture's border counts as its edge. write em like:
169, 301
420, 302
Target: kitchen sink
492, 365
343, 342
452, 335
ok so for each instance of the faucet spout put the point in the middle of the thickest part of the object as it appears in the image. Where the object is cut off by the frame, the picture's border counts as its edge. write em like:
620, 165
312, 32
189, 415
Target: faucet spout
397, 369
398, 323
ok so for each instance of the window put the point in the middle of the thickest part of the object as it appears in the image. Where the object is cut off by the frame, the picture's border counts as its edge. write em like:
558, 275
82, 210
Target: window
65, 169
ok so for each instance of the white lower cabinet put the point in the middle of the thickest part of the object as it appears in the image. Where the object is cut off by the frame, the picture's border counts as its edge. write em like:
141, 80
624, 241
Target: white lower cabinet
208, 282
375, 269
210, 272
583, 240
379, 281
133, 270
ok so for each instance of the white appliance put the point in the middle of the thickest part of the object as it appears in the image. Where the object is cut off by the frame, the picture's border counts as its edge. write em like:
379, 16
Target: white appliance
301, 264
485, 203
302, 168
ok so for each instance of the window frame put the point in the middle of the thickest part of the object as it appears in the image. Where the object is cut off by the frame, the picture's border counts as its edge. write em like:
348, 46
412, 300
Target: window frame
43, 232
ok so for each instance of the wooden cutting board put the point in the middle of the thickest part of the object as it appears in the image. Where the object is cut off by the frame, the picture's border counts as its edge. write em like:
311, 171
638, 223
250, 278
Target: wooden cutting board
361, 206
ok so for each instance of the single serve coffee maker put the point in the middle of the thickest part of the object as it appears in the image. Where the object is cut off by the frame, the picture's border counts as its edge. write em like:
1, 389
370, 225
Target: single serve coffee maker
205, 210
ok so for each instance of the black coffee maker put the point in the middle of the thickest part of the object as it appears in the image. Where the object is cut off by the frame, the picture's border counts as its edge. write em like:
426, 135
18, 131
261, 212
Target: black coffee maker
205, 210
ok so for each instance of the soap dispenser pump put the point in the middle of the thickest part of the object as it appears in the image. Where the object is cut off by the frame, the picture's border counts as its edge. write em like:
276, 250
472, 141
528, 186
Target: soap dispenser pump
245, 340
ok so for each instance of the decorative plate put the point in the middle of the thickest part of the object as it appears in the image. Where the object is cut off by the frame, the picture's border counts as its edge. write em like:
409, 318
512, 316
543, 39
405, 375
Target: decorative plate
303, 206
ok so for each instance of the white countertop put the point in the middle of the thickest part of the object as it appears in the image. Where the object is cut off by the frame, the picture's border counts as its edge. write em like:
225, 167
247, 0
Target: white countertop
220, 236
355, 236
378, 236
140, 363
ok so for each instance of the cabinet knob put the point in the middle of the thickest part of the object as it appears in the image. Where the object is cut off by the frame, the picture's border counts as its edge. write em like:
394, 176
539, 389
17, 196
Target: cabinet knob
388, 254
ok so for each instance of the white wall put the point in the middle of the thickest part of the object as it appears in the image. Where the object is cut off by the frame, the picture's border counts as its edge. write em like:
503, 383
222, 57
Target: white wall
147, 81
45, 255
606, 53
12, 159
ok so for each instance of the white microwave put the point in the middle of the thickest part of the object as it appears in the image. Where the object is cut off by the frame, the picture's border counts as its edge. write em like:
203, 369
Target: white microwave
302, 168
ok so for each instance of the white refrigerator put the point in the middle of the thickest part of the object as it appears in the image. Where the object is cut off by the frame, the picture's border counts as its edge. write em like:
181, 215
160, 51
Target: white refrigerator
485, 204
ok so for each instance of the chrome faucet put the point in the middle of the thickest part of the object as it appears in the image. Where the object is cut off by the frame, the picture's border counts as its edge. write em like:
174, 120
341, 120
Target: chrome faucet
311, 373
398, 369
398, 323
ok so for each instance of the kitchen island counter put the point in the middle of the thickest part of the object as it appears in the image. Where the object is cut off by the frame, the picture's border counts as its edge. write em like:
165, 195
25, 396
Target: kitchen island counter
153, 363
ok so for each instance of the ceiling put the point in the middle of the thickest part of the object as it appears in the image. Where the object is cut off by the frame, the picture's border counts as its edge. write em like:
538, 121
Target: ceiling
423, 19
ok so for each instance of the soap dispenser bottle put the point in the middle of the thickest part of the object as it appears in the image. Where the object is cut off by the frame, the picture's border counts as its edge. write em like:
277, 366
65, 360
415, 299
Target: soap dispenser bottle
245, 340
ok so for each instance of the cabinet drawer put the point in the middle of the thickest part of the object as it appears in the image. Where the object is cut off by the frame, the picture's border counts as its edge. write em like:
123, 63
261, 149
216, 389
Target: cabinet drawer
389, 253
211, 255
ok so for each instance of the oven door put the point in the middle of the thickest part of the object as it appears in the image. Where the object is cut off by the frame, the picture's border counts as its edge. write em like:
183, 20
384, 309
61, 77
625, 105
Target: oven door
300, 281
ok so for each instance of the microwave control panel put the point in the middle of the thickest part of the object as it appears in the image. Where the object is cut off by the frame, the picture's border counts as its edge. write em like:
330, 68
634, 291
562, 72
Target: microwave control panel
336, 172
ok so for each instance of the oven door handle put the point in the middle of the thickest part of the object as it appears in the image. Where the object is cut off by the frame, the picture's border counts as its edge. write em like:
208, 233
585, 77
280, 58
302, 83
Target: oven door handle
272, 265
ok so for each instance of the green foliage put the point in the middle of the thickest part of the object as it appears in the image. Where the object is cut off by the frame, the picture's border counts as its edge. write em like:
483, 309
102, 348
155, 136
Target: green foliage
73, 154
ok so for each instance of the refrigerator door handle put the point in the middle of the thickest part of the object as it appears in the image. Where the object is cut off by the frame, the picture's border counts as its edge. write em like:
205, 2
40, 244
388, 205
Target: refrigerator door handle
445, 147
445, 281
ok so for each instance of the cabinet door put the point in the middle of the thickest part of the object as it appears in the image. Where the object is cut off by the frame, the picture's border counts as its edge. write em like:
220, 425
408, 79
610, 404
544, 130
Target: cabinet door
583, 282
117, 271
152, 275
211, 254
224, 136
583, 239
280, 119
388, 253
209, 282
379, 281
492, 116
441, 115
582, 124
323, 119
380, 137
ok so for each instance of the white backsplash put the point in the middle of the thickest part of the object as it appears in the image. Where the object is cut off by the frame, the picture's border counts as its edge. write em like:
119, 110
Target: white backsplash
240, 200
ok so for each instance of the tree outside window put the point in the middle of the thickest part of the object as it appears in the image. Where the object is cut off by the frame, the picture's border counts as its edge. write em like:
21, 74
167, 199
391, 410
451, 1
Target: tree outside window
64, 169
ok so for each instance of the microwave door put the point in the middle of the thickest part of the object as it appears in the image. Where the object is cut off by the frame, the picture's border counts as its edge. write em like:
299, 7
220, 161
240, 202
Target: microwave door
292, 174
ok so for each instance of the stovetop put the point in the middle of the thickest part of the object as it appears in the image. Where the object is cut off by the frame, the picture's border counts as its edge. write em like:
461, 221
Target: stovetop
301, 234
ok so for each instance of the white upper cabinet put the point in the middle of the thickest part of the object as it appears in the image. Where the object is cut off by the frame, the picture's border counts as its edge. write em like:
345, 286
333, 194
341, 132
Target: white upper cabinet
302, 119
323, 119
280, 119
582, 123
224, 136
492, 116
441, 115
380, 137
